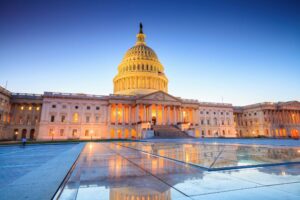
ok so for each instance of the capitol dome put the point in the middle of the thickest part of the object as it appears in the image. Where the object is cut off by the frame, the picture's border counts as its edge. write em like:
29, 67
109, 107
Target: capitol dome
140, 71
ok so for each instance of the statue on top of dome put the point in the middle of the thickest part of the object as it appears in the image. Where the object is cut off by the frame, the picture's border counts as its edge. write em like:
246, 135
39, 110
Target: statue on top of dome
141, 28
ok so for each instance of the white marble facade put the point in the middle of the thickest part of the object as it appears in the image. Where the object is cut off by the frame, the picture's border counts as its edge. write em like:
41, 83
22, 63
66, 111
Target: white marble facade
73, 116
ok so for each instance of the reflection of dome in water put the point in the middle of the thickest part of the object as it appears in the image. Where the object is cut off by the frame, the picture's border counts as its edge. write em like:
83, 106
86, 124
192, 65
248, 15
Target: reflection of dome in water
140, 71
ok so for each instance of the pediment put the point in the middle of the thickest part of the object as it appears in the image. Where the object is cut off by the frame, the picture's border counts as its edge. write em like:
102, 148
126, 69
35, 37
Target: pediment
159, 96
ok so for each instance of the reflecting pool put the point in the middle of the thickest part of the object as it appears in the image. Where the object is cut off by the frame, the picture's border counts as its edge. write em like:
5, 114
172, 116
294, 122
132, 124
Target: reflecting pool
160, 171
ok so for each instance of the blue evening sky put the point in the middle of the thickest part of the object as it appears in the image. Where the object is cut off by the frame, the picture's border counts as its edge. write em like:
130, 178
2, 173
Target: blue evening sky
243, 51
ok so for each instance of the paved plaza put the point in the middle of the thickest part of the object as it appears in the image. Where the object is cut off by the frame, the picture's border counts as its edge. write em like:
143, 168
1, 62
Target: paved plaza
153, 170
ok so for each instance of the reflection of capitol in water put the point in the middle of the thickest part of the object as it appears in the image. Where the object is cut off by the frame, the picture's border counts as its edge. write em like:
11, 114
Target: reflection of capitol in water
116, 172
140, 194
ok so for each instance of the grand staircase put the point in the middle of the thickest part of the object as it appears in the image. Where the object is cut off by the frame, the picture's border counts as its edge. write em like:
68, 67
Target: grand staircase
169, 131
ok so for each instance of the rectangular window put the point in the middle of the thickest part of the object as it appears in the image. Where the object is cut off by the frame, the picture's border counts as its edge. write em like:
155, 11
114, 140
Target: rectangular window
97, 108
202, 121
52, 118
86, 133
88, 107
53, 106
64, 106
97, 119
87, 119
63, 118
208, 122
74, 132
61, 132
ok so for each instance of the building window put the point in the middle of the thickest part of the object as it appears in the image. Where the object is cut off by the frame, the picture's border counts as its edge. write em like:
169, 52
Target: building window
97, 118
209, 133
51, 132
61, 132
30, 108
97, 108
222, 122
63, 118
37, 108
74, 132
22, 107
75, 117
86, 133
207, 122
64, 106
52, 118
227, 113
87, 119
53, 106
88, 107
202, 121
201, 112
36, 119
207, 113
223, 132
76, 107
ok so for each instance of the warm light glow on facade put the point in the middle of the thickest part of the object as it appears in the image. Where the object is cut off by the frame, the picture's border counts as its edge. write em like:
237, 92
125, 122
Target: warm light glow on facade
75, 117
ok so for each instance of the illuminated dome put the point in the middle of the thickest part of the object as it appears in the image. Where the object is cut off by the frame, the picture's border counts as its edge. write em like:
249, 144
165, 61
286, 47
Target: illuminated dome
140, 71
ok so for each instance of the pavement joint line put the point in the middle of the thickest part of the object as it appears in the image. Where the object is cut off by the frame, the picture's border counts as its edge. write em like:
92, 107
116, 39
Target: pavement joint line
62, 185
248, 188
219, 154
150, 173
219, 168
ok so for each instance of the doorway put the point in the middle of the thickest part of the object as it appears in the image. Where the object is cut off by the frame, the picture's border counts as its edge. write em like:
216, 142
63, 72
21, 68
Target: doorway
154, 120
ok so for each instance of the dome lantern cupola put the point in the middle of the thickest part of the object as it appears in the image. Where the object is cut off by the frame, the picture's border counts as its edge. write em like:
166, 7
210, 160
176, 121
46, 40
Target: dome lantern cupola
141, 36
140, 71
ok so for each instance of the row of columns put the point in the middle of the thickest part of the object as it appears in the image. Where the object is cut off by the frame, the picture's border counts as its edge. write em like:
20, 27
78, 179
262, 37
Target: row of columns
284, 117
164, 114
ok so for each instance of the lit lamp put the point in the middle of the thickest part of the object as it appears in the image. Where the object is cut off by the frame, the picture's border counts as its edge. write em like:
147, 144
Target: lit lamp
16, 134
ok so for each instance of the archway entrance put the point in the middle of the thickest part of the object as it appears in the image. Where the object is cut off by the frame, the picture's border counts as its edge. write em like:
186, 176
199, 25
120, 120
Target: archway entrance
24, 132
154, 120
32, 134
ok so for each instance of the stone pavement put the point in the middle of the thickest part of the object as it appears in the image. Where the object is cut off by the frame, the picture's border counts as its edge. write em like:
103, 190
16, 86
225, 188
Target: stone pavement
36, 171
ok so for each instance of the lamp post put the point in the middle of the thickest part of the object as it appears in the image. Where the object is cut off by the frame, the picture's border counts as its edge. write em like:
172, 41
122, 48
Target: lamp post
92, 132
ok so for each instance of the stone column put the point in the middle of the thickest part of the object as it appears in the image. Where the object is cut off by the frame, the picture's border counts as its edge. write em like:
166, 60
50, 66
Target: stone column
180, 114
109, 114
156, 114
162, 115
123, 114
137, 113
144, 113
169, 116
175, 115
129, 115
117, 117
150, 112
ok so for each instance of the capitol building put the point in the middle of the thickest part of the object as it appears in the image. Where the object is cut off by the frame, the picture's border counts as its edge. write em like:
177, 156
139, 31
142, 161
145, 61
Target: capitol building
140, 107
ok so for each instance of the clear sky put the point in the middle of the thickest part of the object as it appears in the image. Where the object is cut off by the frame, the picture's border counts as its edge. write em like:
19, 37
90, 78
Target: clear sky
243, 52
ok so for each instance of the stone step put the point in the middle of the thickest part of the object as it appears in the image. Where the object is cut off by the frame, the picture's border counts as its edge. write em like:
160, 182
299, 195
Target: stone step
166, 131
